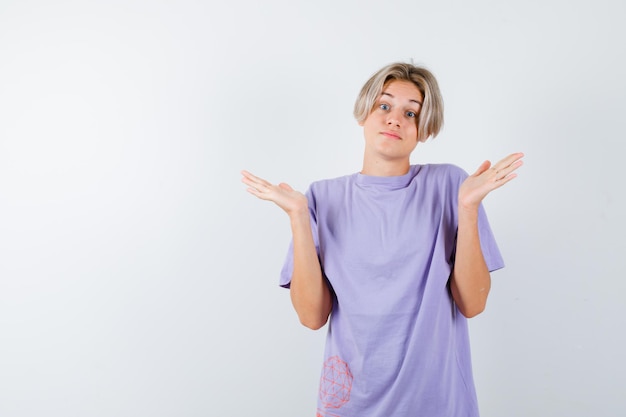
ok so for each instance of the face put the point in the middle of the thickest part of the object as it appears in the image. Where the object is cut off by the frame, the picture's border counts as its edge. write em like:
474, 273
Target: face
390, 130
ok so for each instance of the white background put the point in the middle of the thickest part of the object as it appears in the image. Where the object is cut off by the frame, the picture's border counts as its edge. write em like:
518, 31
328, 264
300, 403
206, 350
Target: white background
138, 278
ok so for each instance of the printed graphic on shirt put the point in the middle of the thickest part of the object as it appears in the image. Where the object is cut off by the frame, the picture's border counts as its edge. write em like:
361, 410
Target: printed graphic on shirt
335, 385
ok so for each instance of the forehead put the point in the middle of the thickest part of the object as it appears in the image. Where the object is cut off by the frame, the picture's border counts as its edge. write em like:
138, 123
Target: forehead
402, 90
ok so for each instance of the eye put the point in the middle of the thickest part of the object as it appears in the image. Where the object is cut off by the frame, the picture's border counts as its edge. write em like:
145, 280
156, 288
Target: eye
411, 114
384, 106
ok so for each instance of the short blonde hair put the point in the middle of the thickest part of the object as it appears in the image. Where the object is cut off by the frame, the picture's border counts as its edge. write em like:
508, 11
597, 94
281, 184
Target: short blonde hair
430, 117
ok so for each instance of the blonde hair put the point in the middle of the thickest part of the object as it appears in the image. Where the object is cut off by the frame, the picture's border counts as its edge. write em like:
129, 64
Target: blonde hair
430, 117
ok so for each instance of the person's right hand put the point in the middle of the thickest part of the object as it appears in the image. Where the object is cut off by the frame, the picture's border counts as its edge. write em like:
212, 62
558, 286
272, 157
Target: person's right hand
282, 195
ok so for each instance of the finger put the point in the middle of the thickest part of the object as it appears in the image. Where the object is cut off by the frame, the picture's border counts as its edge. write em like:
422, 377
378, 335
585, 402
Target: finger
263, 188
500, 182
251, 177
262, 191
255, 188
508, 161
482, 168
503, 168
249, 182
506, 171
254, 181
257, 193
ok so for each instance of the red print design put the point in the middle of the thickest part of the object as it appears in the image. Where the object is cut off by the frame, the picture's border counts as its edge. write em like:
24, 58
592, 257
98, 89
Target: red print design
335, 384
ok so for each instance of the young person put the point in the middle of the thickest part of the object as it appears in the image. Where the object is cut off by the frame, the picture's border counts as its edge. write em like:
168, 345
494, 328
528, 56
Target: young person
396, 257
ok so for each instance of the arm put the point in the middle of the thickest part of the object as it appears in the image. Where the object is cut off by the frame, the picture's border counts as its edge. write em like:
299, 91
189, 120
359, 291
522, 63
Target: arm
309, 292
470, 281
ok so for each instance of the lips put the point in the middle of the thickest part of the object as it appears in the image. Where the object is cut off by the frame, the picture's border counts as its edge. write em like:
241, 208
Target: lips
390, 135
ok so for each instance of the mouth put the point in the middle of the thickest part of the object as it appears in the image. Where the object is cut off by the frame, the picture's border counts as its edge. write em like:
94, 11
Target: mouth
391, 135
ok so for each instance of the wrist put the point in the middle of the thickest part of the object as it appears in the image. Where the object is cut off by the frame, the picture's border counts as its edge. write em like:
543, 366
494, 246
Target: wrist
299, 214
467, 214
468, 208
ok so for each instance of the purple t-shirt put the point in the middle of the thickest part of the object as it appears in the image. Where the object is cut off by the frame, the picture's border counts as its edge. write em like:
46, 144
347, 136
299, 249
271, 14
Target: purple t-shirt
396, 345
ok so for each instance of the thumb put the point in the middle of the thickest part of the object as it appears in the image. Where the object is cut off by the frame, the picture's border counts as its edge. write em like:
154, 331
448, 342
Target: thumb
483, 167
284, 186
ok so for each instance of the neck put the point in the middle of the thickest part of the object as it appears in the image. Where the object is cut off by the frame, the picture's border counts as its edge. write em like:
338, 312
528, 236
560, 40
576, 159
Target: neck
385, 168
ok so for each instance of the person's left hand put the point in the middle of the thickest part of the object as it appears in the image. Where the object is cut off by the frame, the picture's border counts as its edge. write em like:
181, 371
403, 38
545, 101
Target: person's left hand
487, 178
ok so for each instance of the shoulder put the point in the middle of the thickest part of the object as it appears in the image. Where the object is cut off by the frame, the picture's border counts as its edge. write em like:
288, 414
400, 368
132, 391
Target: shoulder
327, 190
444, 172
331, 184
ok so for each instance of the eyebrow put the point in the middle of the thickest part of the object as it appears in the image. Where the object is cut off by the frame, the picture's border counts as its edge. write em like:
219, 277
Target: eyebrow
384, 93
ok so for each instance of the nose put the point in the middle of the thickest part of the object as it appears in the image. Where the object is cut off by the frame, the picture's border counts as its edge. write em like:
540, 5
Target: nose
393, 119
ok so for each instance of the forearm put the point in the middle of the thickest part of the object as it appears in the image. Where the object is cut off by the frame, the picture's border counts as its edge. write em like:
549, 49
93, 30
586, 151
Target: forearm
309, 291
470, 282
310, 294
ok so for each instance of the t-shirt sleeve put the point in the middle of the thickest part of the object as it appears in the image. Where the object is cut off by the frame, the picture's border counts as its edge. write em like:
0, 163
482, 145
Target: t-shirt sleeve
488, 245
287, 270
491, 252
